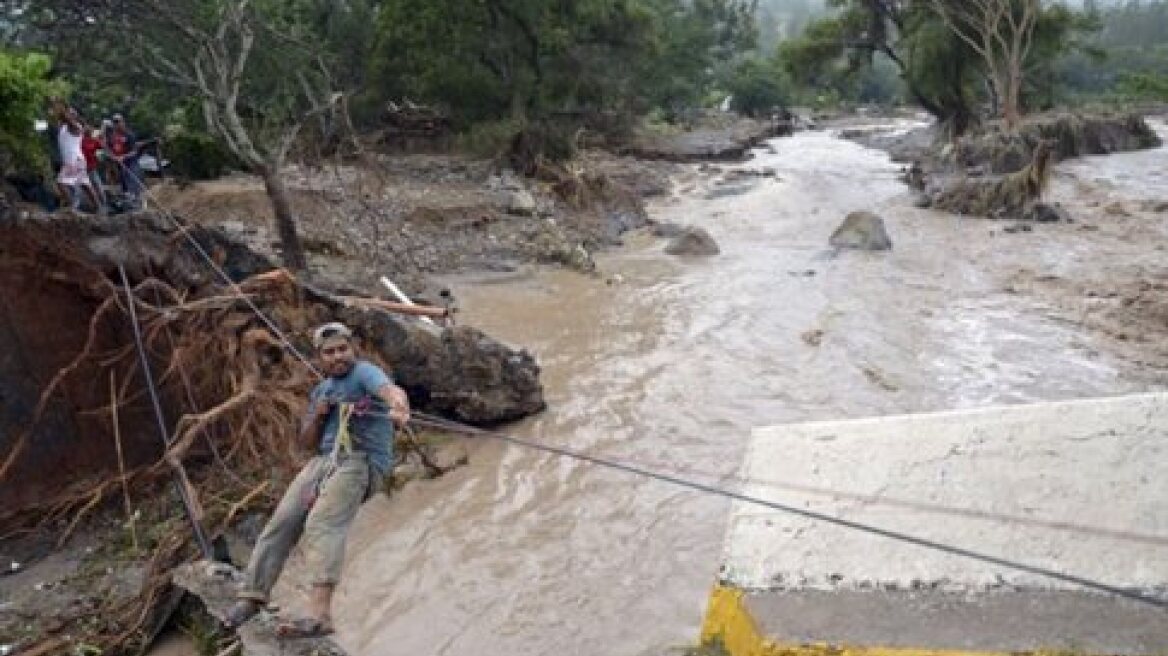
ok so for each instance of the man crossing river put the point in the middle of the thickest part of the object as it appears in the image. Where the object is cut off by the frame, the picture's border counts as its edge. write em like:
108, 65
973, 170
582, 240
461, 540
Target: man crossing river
349, 424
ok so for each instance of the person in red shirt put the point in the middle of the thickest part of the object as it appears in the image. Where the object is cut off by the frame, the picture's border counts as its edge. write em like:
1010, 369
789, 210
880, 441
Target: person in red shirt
91, 145
123, 145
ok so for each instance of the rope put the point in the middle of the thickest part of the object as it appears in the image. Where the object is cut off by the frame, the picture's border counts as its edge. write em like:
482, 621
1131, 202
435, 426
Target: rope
456, 427
180, 481
1134, 595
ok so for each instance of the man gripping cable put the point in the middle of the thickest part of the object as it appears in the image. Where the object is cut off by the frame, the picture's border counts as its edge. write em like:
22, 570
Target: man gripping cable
349, 425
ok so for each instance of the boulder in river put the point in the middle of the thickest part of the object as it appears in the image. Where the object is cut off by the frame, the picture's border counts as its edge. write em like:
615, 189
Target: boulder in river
863, 231
521, 203
667, 229
693, 242
1048, 213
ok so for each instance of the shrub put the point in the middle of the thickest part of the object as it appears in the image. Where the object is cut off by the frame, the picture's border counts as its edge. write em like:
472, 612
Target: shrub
197, 156
488, 139
757, 89
25, 88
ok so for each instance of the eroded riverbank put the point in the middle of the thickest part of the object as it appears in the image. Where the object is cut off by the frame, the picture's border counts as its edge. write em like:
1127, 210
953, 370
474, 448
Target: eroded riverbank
522, 553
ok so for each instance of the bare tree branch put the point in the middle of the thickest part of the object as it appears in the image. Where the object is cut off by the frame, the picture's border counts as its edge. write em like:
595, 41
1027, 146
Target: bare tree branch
1001, 33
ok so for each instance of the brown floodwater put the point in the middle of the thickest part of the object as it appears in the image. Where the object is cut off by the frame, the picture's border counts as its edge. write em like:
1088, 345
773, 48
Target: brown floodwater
670, 366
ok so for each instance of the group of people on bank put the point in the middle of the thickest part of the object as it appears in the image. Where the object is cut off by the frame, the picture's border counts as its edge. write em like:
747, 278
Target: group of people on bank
95, 163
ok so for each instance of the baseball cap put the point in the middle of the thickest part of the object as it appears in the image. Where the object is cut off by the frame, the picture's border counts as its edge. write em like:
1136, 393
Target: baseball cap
328, 331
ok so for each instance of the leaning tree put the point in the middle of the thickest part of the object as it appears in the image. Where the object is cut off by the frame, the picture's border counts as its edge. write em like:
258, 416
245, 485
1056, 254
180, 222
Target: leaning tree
258, 78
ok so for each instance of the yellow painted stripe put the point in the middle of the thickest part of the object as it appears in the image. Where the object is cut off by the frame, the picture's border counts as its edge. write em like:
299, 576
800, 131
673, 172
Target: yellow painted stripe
730, 630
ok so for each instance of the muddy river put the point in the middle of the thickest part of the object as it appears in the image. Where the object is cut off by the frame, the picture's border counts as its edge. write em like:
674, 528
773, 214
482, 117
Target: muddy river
669, 363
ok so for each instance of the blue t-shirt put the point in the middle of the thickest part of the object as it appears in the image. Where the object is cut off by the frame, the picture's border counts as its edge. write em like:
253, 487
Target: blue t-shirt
370, 427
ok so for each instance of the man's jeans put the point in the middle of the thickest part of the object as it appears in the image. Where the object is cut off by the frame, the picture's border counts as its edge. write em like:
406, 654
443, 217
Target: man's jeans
322, 517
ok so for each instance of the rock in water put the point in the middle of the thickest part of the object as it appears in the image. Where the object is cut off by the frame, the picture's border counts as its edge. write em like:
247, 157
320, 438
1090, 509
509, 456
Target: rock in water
693, 242
862, 230
521, 203
1048, 213
667, 230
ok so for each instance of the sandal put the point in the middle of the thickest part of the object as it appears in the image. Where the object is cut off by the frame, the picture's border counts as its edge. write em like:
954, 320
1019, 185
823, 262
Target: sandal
304, 627
240, 612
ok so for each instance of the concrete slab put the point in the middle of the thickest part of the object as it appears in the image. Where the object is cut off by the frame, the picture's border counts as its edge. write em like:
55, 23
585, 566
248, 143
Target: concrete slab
1054, 495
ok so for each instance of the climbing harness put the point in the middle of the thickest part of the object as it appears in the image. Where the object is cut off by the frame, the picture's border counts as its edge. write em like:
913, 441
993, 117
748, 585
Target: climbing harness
342, 448
423, 419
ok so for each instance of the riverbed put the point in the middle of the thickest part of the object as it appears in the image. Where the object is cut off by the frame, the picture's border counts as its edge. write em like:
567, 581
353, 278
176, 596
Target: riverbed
669, 363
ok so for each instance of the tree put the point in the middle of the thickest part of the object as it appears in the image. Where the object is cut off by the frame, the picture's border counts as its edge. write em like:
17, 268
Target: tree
1001, 32
935, 72
938, 49
513, 59
524, 60
254, 69
757, 88
258, 79
25, 87
694, 45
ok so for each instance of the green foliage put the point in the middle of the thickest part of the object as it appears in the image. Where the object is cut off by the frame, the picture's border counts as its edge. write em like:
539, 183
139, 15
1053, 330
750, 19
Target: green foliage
1133, 23
1144, 86
816, 60
25, 88
858, 52
489, 138
1122, 60
695, 44
758, 87
530, 59
941, 71
197, 156
1058, 33
485, 61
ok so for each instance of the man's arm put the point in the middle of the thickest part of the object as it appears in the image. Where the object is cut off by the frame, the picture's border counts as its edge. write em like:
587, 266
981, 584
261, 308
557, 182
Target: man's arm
67, 117
312, 429
397, 401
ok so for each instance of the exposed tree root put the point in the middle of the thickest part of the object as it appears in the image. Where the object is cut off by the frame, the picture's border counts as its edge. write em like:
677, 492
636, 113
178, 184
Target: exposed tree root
1003, 196
243, 393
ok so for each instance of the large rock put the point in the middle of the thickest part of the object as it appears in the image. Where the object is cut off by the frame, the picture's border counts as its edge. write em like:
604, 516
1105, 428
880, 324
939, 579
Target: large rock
521, 203
693, 242
1048, 213
863, 231
216, 584
459, 372
666, 229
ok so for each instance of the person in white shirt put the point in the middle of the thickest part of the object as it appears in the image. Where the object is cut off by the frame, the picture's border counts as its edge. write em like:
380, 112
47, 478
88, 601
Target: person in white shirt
73, 174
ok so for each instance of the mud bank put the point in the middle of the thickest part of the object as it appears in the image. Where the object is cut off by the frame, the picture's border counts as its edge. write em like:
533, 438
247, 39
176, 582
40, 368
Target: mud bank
728, 140
415, 217
993, 149
999, 173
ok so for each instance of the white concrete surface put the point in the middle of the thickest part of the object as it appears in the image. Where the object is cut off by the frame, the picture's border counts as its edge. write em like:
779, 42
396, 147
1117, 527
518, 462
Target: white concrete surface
1078, 487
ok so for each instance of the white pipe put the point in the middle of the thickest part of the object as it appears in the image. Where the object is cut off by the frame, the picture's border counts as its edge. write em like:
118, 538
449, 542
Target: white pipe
402, 298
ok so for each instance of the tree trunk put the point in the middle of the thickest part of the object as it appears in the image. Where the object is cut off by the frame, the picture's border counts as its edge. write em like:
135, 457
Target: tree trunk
518, 105
292, 252
1011, 112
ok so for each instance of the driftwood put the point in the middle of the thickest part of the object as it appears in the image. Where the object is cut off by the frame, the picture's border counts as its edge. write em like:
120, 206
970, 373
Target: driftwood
397, 308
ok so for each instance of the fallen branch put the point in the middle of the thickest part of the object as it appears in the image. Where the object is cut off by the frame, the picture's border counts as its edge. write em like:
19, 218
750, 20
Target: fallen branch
399, 308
